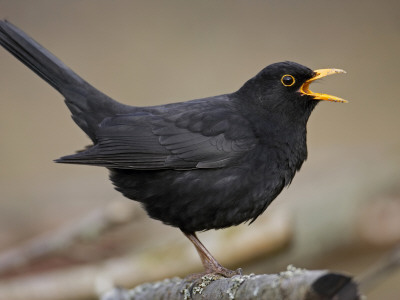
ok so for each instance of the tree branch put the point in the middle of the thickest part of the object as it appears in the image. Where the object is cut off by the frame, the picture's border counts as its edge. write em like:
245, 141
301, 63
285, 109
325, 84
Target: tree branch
293, 284
94, 223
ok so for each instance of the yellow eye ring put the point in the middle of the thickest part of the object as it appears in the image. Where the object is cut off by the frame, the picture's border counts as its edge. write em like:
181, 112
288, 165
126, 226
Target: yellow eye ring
288, 80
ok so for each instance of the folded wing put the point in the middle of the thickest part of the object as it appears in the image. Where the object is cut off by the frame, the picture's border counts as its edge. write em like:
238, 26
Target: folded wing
149, 140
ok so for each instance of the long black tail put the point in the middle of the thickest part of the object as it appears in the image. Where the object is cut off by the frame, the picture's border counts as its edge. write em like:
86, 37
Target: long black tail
88, 105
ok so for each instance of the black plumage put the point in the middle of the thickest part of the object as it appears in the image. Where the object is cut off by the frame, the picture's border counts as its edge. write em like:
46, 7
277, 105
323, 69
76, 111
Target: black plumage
197, 165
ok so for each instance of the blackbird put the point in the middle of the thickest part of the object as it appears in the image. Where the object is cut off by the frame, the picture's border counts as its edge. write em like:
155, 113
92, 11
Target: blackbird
197, 165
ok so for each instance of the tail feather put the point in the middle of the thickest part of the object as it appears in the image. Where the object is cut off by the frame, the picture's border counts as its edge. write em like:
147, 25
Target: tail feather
37, 58
88, 105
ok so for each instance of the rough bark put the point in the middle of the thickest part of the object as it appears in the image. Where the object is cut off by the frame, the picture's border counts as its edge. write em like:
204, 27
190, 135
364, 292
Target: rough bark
293, 284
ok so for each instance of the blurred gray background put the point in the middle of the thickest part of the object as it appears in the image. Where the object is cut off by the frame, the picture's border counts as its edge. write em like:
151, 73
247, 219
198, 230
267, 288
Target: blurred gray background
154, 52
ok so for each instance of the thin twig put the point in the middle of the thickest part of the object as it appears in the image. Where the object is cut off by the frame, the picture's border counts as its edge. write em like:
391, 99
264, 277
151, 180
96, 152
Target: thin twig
381, 270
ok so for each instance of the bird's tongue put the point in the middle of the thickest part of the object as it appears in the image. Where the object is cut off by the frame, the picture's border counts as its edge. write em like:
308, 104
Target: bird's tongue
304, 89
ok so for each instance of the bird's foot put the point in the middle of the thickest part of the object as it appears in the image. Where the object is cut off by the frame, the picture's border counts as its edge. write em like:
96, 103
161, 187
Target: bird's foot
211, 265
218, 271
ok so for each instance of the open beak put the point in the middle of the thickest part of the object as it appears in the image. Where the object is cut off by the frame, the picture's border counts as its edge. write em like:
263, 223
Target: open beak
304, 89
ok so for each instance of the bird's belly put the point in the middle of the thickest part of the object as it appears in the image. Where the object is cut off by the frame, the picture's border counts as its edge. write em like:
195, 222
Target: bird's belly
201, 199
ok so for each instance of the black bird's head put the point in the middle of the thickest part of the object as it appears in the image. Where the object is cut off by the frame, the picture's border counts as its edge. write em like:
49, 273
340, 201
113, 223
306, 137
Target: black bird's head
284, 87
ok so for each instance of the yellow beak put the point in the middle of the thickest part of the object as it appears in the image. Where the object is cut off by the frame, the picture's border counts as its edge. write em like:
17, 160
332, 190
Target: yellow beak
304, 89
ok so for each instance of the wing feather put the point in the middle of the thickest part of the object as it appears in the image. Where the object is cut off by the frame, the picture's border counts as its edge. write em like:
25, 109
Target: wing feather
176, 140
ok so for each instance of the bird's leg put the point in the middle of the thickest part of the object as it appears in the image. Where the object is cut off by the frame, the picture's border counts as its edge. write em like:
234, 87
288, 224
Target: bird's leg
210, 264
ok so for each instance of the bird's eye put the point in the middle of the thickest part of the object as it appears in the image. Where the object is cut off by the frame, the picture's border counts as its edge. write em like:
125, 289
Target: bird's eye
287, 80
